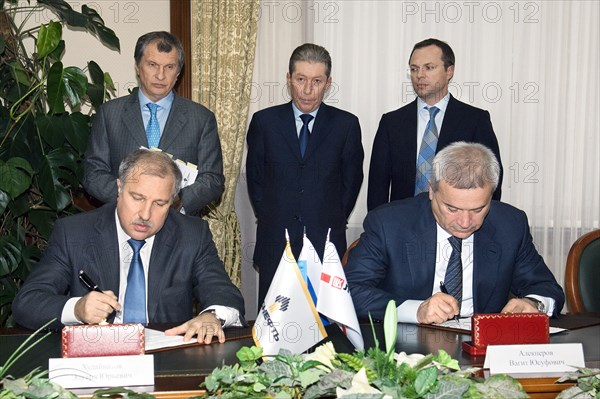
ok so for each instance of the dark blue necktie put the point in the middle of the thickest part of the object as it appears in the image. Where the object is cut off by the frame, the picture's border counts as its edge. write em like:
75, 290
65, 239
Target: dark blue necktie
153, 128
135, 294
426, 153
453, 279
304, 132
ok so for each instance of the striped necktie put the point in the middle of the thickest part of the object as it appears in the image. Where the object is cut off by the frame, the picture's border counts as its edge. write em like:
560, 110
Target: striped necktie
454, 273
426, 153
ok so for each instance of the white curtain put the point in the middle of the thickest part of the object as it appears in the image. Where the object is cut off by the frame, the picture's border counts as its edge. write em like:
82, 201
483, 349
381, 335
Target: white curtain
532, 64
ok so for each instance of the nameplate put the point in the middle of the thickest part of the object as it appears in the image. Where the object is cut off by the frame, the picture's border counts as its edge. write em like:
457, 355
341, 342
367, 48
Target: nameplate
540, 359
102, 371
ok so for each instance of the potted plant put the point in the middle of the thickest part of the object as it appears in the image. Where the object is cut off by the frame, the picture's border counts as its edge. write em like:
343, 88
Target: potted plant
43, 129
372, 374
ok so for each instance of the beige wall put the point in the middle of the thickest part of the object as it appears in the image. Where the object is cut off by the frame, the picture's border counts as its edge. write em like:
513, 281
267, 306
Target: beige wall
129, 20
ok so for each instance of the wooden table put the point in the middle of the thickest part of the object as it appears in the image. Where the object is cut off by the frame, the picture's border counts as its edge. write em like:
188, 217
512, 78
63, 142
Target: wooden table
178, 372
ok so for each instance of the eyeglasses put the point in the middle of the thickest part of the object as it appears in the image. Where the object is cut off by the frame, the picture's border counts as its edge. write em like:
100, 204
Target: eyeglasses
413, 70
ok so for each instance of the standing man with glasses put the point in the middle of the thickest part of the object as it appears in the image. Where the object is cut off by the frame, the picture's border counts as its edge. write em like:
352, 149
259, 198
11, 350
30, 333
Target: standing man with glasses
153, 115
409, 137
304, 166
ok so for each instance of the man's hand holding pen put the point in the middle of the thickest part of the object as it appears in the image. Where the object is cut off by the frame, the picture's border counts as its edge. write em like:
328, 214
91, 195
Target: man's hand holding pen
96, 305
438, 308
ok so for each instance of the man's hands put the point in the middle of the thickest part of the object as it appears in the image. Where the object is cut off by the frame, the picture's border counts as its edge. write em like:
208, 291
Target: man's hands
437, 309
520, 305
95, 307
205, 326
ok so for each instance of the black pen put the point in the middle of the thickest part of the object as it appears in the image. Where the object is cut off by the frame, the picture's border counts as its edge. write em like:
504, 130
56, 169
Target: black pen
87, 281
445, 291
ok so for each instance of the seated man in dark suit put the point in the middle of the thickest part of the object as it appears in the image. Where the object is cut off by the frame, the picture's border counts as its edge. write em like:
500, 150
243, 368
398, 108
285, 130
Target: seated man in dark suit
454, 238
149, 261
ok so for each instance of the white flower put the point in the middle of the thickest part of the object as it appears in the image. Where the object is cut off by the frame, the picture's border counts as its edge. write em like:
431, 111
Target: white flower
324, 353
360, 384
411, 360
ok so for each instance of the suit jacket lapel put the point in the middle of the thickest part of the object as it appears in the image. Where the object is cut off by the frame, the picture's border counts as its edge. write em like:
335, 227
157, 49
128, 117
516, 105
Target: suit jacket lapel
175, 122
405, 140
105, 251
486, 265
451, 122
286, 126
421, 251
159, 264
320, 130
132, 119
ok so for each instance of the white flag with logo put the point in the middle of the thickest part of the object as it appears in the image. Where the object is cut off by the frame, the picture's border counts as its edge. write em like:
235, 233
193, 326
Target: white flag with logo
312, 264
334, 300
288, 318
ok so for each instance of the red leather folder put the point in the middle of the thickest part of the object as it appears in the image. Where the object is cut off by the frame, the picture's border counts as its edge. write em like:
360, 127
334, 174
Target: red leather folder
103, 340
506, 329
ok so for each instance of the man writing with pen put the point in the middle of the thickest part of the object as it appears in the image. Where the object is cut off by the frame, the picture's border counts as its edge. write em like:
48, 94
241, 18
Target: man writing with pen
133, 261
454, 238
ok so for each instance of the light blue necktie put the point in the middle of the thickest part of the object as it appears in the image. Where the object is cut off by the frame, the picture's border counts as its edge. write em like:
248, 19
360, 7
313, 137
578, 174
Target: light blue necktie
426, 153
153, 128
454, 277
304, 132
135, 294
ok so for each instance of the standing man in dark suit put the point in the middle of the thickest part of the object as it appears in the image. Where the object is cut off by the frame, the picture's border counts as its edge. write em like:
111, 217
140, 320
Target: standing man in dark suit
155, 116
455, 239
304, 166
399, 163
149, 261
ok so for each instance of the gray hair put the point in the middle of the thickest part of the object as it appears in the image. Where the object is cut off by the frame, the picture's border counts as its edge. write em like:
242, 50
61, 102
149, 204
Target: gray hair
311, 53
464, 166
153, 163
165, 42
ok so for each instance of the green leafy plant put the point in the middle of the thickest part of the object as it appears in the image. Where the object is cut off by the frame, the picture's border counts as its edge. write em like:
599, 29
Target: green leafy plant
43, 129
588, 384
34, 385
372, 374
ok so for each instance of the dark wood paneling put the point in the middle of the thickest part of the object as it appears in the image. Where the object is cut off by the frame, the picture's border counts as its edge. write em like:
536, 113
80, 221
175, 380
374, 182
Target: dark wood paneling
181, 27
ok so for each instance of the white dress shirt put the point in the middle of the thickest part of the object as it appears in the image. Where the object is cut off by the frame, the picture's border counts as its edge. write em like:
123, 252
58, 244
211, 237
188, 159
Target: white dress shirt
230, 316
407, 311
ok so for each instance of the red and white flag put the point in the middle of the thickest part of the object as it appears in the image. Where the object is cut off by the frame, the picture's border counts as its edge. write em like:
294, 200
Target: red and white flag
334, 300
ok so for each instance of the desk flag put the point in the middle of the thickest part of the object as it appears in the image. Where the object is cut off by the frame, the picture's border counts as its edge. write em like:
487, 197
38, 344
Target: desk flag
309, 260
334, 300
288, 318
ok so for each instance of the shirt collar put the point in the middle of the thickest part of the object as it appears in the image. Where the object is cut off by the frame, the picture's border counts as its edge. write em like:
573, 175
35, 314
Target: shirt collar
443, 235
297, 112
123, 237
442, 104
164, 102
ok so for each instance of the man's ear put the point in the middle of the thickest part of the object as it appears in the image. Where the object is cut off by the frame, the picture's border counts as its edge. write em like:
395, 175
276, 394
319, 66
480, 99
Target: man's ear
118, 187
430, 192
328, 83
450, 72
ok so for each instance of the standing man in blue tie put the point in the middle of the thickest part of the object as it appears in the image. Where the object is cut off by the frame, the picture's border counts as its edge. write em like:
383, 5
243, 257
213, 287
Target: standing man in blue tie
409, 137
452, 251
304, 166
148, 261
153, 115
